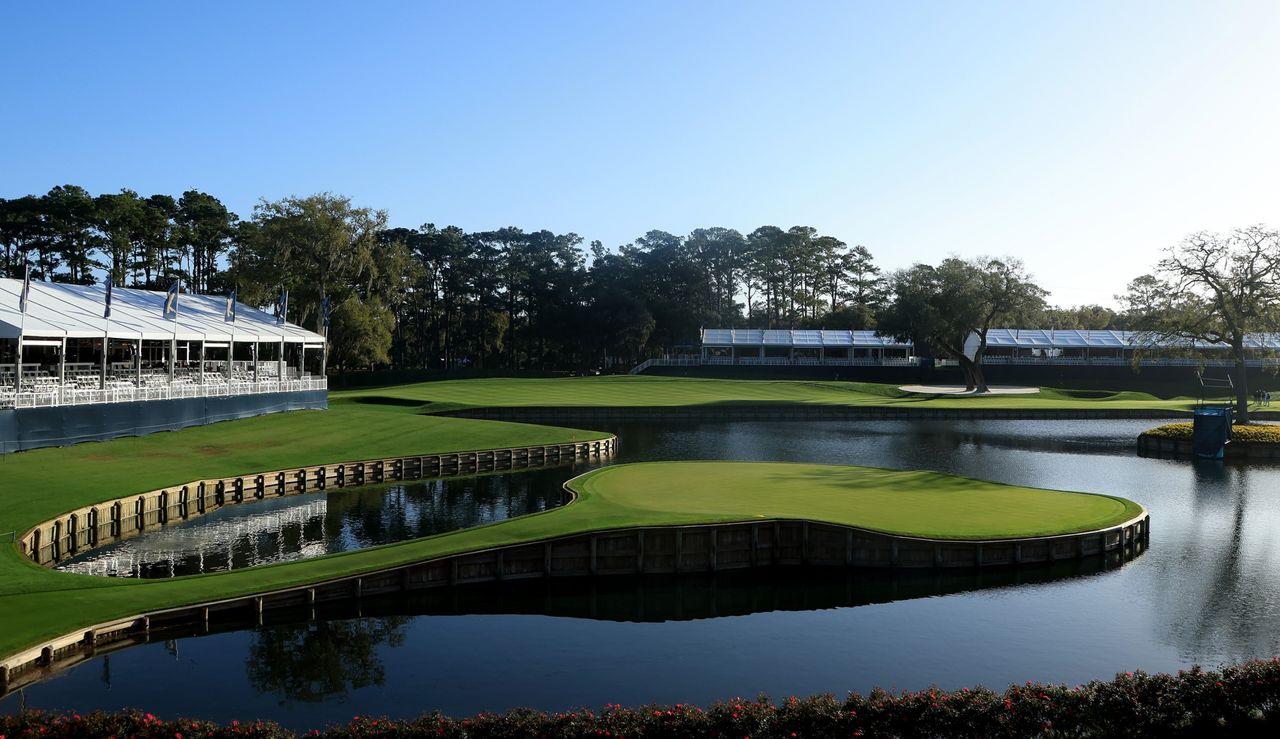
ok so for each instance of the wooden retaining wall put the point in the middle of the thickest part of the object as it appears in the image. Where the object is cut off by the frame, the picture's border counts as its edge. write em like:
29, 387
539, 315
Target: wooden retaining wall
1159, 446
83, 529
668, 549
799, 413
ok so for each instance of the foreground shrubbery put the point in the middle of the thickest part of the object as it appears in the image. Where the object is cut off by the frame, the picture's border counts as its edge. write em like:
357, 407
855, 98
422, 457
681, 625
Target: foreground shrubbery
1269, 434
1238, 700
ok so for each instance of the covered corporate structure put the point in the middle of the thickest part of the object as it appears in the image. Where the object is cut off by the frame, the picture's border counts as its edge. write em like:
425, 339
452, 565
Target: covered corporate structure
784, 346
1106, 347
69, 373
1005, 346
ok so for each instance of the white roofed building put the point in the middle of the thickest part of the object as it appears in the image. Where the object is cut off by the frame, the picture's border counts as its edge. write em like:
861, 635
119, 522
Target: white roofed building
1103, 347
62, 351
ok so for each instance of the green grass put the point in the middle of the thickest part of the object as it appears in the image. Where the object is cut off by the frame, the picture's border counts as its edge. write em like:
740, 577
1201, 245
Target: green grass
632, 391
37, 604
916, 504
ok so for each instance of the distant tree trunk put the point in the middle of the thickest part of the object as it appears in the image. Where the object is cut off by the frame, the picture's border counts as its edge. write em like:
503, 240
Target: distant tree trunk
1242, 380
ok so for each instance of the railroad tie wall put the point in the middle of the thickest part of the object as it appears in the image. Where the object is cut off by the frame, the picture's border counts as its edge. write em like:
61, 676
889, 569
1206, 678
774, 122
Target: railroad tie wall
89, 527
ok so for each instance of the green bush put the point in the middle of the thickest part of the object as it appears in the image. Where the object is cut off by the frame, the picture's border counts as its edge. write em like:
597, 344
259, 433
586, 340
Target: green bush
1240, 700
1253, 434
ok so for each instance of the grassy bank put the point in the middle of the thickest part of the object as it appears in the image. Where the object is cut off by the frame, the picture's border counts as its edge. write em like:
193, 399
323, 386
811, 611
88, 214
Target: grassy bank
636, 391
37, 604
913, 503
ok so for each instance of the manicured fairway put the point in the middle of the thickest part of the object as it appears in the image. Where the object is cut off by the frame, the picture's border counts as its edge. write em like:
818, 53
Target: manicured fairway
630, 391
37, 604
918, 504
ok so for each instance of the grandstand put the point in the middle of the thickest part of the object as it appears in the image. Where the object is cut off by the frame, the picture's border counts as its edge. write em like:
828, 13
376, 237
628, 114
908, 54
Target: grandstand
1005, 346
1085, 347
68, 373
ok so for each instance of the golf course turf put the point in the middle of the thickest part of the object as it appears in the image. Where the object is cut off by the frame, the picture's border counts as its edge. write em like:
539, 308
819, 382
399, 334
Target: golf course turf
634, 391
38, 604
919, 504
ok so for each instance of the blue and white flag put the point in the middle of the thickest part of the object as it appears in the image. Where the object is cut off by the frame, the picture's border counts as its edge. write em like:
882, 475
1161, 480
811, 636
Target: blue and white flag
230, 314
171, 302
282, 307
106, 308
325, 309
26, 290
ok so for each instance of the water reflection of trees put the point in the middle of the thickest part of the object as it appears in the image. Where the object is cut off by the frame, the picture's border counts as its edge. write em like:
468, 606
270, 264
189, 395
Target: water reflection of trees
370, 517
321, 660
1220, 585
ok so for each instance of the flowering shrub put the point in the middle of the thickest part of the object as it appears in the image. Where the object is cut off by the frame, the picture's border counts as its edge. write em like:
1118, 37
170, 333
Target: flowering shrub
1269, 434
1240, 700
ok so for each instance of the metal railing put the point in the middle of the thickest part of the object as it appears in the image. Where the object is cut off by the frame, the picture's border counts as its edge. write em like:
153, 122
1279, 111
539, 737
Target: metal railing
775, 362
48, 396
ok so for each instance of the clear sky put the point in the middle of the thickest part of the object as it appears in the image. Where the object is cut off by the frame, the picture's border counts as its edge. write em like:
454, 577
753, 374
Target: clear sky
1080, 136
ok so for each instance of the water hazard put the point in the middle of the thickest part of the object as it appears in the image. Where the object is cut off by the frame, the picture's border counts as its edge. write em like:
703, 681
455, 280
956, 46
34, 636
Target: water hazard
311, 525
1205, 592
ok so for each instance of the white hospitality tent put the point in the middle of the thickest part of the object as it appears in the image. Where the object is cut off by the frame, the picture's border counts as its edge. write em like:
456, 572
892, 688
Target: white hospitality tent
793, 343
1085, 343
64, 325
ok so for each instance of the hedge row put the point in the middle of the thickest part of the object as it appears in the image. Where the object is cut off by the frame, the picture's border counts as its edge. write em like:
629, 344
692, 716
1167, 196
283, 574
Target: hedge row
1268, 434
1239, 700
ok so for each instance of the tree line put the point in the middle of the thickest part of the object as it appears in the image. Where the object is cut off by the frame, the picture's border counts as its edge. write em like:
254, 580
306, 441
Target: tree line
436, 297
506, 299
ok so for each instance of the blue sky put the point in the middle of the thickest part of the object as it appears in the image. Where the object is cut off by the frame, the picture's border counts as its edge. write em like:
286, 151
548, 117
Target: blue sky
1082, 137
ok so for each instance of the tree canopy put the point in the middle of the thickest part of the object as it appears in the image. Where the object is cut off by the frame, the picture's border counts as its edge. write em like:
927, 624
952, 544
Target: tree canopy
942, 306
1215, 288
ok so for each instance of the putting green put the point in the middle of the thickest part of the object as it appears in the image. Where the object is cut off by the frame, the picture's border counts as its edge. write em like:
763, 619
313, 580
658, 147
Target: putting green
906, 503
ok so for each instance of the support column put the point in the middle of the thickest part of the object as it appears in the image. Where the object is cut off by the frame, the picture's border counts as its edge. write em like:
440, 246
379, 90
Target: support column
255, 362
137, 366
106, 350
202, 350
280, 377
17, 367
62, 370
324, 357
231, 354
173, 359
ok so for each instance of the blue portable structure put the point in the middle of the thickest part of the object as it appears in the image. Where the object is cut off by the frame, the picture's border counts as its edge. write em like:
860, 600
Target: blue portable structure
1210, 431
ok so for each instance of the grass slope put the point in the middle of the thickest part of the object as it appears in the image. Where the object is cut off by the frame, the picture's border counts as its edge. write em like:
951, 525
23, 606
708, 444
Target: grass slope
626, 390
918, 504
909, 503
37, 604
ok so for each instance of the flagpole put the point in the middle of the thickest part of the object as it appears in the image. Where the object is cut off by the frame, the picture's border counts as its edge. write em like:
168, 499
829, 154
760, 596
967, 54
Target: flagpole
106, 339
173, 344
22, 332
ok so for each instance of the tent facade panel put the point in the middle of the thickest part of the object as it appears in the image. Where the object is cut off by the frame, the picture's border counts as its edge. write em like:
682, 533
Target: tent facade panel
75, 311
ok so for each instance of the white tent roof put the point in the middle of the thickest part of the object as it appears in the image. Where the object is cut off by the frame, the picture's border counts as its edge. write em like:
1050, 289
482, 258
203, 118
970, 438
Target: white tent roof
797, 338
1037, 338
57, 310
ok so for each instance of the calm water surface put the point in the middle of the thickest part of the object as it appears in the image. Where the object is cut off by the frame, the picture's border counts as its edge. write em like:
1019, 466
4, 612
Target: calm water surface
1207, 591
312, 525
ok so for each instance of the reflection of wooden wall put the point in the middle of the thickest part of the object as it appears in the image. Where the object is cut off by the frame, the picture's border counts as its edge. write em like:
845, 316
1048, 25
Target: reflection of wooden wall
1159, 446
94, 526
667, 549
